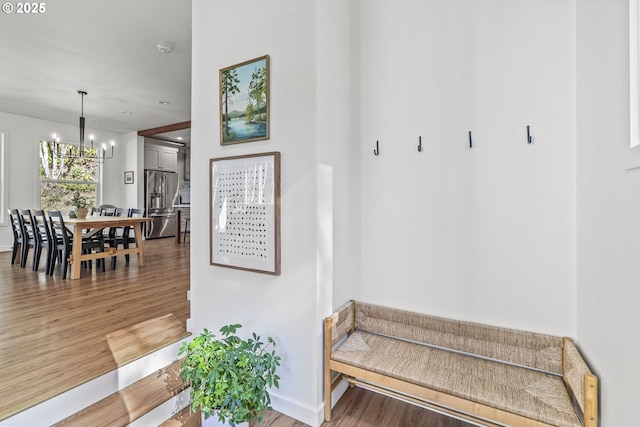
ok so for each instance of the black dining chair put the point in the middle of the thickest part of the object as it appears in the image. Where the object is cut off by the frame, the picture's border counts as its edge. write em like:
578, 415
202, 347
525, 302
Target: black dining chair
28, 235
137, 213
107, 210
17, 234
130, 233
62, 239
114, 235
42, 237
97, 241
187, 229
126, 236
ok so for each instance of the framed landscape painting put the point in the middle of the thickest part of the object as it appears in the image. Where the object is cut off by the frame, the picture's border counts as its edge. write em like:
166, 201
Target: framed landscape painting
244, 101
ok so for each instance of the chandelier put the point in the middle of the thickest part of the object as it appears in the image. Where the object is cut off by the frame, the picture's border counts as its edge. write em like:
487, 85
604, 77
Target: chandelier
87, 153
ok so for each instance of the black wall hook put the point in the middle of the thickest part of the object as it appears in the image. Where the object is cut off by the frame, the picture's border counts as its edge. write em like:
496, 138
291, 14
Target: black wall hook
377, 150
470, 140
419, 144
529, 137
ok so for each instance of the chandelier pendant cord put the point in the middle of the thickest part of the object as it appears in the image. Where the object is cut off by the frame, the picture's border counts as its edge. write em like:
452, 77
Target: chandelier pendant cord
82, 94
100, 155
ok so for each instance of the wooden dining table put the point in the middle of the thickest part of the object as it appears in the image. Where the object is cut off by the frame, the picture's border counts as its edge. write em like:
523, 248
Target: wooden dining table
94, 225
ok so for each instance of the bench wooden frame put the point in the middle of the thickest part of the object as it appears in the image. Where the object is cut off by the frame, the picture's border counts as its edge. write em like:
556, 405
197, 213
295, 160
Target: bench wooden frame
344, 325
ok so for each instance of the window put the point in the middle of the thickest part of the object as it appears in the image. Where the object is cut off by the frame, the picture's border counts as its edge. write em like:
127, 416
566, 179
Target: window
64, 178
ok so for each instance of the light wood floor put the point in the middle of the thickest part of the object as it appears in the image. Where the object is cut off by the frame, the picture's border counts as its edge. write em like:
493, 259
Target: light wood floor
56, 334
363, 408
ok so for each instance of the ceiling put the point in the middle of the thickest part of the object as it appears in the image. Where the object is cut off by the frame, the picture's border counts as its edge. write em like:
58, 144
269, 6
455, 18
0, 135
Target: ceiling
108, 48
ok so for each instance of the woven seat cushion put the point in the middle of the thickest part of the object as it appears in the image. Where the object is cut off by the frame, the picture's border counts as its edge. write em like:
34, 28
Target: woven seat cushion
530, 393
538, 351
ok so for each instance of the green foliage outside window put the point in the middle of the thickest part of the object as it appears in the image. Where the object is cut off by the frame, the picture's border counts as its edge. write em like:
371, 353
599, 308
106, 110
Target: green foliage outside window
63, 177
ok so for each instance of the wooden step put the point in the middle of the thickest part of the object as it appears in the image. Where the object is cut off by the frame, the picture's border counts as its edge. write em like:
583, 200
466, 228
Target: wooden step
127, 405
145, 337
184, 418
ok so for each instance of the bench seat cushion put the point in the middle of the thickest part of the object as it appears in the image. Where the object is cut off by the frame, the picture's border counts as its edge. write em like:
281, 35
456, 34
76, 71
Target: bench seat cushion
519, 390
538, 351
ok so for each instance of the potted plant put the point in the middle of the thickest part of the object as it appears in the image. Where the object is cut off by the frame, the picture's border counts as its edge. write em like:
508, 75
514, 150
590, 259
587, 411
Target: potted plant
229, 376
81, 203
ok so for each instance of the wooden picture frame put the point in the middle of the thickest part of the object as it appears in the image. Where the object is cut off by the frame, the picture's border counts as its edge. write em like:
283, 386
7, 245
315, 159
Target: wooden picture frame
244, 101
128, 177
245, 212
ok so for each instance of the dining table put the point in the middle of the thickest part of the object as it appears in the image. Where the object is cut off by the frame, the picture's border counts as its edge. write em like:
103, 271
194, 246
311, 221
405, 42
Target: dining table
94, 224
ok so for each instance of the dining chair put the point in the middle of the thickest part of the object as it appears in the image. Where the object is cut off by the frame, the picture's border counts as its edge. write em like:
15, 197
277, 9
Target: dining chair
106, 210
17, 233
131, 238
43, 238
126, 238
138, 213
98, 240
187, 219
114, 235
62, 239
28, 235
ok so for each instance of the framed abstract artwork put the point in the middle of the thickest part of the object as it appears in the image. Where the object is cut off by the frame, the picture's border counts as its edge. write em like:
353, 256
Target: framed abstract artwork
244, 102
245, 212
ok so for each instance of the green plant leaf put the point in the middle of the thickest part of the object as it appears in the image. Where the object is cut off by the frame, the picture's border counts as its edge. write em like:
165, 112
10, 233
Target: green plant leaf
230, 376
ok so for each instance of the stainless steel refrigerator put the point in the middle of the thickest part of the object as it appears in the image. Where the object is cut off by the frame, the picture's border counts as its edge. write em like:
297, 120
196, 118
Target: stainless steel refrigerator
160, 194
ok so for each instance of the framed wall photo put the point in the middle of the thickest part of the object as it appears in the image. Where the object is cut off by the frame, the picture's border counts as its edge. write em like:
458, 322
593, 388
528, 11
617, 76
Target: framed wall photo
244, 101
128, 177
245, 212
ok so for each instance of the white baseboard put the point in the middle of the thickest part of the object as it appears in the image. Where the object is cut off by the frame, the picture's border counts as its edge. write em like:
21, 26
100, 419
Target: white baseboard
303, 413
294, 409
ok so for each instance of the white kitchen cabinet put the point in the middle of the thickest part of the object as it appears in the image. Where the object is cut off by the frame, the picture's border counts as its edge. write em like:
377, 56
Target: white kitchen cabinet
151, 158
160, 158
168, 161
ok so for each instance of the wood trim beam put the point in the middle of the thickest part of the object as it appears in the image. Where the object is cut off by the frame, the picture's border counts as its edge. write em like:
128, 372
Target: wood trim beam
163, 129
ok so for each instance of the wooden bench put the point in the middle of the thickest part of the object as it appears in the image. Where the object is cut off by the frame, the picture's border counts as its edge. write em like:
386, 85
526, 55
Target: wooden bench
477, 373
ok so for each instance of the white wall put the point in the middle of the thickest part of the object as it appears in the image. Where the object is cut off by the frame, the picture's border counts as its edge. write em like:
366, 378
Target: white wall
114, 191
338, 156
286, 307
22, 137
485, 234
134, 161
608, 209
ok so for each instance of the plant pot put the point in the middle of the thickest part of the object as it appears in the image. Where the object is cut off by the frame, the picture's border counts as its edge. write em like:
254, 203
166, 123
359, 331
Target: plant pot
82, 213
212, 421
